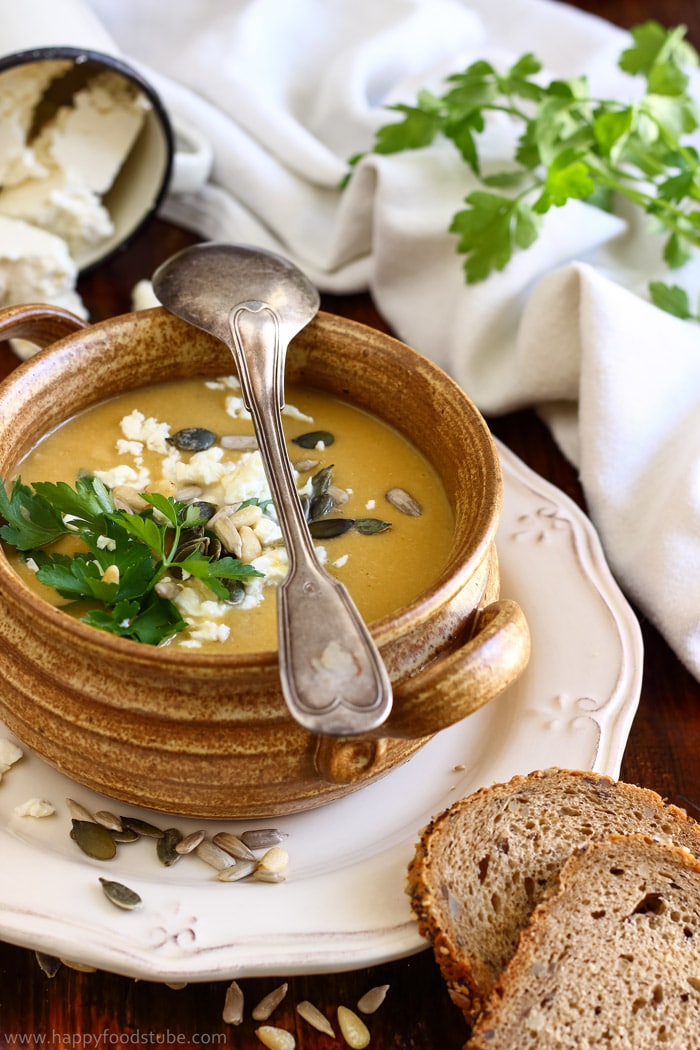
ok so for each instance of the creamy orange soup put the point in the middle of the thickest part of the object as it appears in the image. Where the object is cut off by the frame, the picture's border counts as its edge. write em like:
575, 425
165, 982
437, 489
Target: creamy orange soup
383, 571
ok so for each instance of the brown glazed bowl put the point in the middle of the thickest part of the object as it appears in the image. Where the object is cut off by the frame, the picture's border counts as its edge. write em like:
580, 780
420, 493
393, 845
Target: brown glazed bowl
207, 735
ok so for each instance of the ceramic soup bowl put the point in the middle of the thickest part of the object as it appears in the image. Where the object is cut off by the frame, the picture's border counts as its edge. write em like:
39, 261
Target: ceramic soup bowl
210, 735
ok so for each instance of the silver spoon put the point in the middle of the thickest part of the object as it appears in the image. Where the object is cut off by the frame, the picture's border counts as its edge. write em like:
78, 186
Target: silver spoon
332, 676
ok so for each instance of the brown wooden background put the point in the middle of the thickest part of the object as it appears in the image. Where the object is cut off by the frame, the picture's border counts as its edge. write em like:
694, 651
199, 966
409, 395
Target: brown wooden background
77, 1009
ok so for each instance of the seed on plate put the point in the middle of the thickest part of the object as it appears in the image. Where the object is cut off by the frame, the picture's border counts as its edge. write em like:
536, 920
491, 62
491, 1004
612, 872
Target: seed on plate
263, 838
404, 502
269, 1003
78, 811
93, 839
166, 846
239, 442
120, 895
233, 845
48, 964
372, 999
110, 820
240, 869
316, 1019
192, 439
125, 835
213, 855
142, 827
9, 753
353, 1029
275, 1038
260, 875
189, 842
233, 1004
274, 861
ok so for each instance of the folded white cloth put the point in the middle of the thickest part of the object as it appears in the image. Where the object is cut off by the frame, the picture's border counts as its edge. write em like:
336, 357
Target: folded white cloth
286, 92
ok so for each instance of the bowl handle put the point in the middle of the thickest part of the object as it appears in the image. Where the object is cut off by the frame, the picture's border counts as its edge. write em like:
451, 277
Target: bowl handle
39, 323
456, 685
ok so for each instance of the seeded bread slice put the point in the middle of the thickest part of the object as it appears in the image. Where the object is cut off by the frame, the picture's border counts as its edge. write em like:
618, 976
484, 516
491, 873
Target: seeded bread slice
481, 867
612, 959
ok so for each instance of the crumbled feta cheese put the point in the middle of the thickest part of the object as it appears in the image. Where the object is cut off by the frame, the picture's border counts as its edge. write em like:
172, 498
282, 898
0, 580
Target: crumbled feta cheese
341, 561
235, 407
295, 413
124, 475
129, 448
370, 504
148, 431
35, 807
9, 753
106, 543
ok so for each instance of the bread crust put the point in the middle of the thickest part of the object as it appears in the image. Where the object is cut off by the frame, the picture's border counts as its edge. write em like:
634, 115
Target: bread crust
483, 865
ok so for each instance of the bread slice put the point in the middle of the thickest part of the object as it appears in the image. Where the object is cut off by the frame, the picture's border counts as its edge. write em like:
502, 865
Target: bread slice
482, 866
612, 959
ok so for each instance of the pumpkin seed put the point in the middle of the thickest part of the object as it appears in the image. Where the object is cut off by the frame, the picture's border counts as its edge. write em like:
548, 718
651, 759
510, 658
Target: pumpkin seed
404, 502
233, 845
320, 506
206, 509
371, 526
329, 528
236, 591
233, 1004
372, 999
142, 827
353, 1028
316, 1019
321, 481
48, 964
166, 847
314, 439
93, 839
192, 439
120, 895
269, 1003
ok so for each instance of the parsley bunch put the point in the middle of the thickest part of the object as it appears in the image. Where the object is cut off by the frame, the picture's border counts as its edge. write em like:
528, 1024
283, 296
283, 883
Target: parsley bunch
572, 146
125, 554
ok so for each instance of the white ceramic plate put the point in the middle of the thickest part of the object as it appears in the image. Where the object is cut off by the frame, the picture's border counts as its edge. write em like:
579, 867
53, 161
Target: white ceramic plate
343, 904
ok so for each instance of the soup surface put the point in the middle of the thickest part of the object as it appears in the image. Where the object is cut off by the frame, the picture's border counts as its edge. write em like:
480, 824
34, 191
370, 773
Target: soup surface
125, 442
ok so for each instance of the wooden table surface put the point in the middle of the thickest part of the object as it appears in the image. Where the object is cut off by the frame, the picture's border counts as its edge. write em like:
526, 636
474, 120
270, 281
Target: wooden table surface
100, 1010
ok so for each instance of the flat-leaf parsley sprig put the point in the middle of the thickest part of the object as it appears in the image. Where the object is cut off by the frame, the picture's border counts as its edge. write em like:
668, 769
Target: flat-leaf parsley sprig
124, 555
572, 146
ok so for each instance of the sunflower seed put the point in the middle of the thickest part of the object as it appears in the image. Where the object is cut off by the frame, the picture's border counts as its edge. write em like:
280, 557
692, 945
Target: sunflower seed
274, 861
189, 842
303, 466
315, 1018
166, 847
239, 442
120, 895
233, 845
404, 502
213, 855
188, 493
269, 1003
263, 838
275, 1038
239, 869
48, 964
233, 1004
93, 839
260, 875
353, 1028
338, 495
192, 439
314, 439
78, 811
128, 498
372, 999
125, 835
109, 820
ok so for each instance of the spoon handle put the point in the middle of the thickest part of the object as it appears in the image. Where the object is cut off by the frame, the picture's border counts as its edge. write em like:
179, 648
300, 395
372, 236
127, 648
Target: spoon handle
332, 676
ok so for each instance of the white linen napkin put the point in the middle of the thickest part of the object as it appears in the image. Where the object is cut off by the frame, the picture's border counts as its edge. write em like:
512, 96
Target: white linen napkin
286, 92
